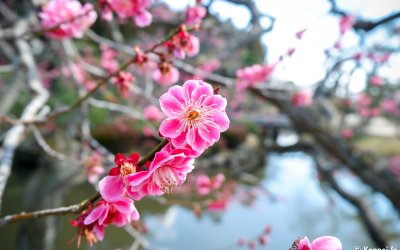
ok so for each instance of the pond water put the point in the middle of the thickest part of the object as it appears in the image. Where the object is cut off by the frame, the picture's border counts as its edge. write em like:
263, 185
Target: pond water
301, 207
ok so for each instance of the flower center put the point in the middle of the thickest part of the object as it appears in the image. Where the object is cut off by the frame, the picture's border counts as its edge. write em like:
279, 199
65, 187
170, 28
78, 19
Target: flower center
192, 114
165, 179
126, 169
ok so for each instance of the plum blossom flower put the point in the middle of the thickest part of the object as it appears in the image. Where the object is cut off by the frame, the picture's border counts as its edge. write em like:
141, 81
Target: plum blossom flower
346, 23
347, 133
167, 170
66, 18
94, 168
108, 59
166, 76
118, 212
390, 106
92, 232
123, 82
203, 184
112, 186
153, 113
195, 115
183, 43
376, 81
194, 15
250, 76
321, 243
299, 35
302, 99
135, 9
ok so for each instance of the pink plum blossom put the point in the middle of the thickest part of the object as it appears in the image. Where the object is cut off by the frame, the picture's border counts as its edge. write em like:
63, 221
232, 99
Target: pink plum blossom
92, 232
66, 18
118, 212
217, 181
195, 115
167, 170
113, 186
321, 243
183, 43
364, 100
123, 82
376, 81
390, 106
347, 133
299, 34
250, 76
302, 99
153, 113
166, 78
135, 9
94, 168
108, 59
194, 15
203, 184
346, 23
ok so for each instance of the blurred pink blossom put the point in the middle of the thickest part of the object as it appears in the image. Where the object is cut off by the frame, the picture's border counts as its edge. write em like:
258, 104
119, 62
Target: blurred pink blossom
153, 113
108, 59
250, 76
376, 81
302, 99
194, 15
166, 78
346, 23
66, 18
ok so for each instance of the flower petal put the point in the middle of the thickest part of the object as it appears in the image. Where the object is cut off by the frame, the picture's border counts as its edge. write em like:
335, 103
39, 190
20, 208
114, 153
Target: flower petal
171, 106
170, 128
326, 243
111, 187
188, 88
210, 134
222, 120
202, 91
177, 92
216, 102
124, 205
136, 179
94, 215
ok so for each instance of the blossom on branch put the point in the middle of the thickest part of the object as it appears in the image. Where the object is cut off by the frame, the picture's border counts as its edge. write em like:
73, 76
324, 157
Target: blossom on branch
252, 75
135, 9
112, 186
194, 15
321, 243
195, 115
66, 18
168, 170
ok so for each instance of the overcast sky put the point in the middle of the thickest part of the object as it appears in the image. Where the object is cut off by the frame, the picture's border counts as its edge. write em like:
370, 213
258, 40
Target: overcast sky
306, 66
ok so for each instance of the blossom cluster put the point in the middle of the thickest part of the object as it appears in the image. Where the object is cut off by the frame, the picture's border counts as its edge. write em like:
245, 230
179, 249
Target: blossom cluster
67, 18
137, 10
195, 117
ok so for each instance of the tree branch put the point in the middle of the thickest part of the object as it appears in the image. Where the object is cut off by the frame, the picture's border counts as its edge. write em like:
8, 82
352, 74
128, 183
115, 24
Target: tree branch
77, 208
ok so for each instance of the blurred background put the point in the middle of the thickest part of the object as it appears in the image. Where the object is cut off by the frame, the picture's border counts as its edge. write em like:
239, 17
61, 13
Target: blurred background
313, 148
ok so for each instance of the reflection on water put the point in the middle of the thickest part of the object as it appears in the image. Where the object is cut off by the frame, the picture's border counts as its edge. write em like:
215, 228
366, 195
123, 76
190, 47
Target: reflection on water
303, 207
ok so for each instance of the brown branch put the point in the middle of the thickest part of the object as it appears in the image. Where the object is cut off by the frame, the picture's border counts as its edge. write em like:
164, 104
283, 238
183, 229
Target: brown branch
77, 208
369, 220
368, 25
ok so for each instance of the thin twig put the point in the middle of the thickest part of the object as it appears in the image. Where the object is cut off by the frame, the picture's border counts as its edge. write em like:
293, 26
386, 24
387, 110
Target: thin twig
77, 208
